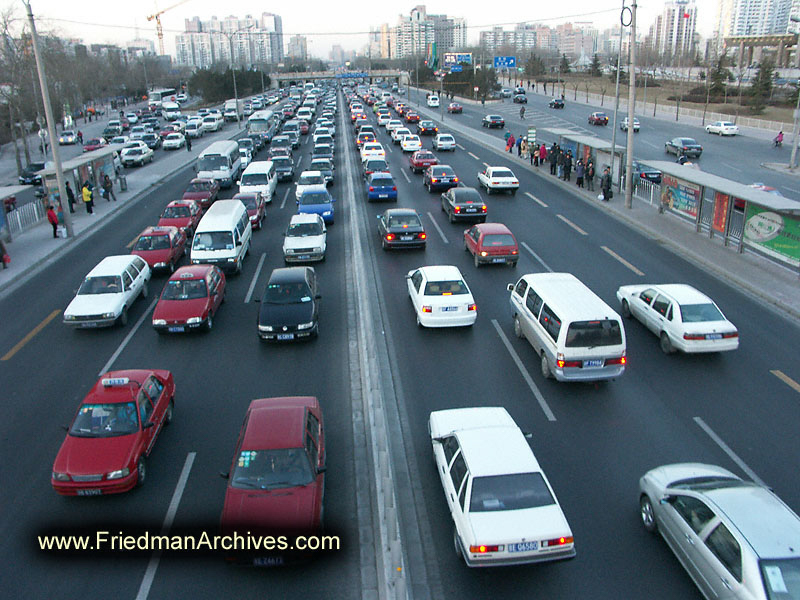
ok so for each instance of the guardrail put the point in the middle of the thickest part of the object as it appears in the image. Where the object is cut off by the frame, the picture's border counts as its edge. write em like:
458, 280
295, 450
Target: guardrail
25, 217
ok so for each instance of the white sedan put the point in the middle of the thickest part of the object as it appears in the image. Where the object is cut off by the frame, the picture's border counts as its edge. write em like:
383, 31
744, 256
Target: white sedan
372, 150
441, 297
723, 128
444, 141
504, 509
683, 318
498, 179
399, 133
393, 124
383, 119
174, 141
411, 143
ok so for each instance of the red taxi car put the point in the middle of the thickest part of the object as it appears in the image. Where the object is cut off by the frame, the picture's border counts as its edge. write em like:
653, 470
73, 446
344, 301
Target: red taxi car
203, 190
277, 479
421, 160
455, 107
183, 214
491, 243
255, 205
94, 144
303, 125
161, 247
110, 438
190, 299
411, 117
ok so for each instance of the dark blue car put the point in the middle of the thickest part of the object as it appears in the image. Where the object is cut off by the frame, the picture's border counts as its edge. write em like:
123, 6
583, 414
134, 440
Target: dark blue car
317, 200
381, 186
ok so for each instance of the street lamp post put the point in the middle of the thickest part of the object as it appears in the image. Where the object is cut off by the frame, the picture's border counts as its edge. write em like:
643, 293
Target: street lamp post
631, 111
616, 103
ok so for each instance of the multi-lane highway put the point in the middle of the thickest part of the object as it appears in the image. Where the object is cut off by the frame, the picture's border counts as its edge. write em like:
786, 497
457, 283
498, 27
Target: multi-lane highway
594, 441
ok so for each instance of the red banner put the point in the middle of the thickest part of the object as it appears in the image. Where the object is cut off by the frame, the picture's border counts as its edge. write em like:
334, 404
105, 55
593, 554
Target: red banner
720, 211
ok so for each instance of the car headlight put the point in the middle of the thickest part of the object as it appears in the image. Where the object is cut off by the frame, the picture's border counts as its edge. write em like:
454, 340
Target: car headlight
317, 249
119, 474
60, 476
109, 315
193, 320
159, 265
308, 325
326, 213
69, 317
195, 262
159, 322
265, 327
231, 260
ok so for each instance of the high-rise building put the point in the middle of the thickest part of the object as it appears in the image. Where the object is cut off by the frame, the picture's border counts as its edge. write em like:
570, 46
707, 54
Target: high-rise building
760, 17
524, 38
673, 32
337, 55
415, 31
298, 47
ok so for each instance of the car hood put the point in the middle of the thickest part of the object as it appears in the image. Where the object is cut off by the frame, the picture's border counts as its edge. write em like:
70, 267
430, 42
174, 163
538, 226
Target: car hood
87, 456
542, 523
285, 314
181, 310
153, 256
292, 242
196, 195
94, 304
283, 509
314, 208
179, 222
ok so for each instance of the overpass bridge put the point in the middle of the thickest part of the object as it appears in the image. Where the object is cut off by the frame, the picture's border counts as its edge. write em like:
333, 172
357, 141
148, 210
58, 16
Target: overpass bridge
280, 79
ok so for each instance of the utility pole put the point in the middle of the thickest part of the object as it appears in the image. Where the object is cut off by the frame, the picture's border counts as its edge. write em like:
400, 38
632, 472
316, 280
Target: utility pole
616, 104
48, 111
793, 159
631, 111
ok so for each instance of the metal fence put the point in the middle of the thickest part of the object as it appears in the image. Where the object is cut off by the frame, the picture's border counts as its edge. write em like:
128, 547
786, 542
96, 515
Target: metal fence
646, 190
25, 216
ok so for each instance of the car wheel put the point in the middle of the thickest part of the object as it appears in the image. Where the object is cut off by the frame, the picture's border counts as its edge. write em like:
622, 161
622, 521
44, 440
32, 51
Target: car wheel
171, 267
315, 333
451, 217
546, 372
141, 472
457, 543
123, 317
384, 245
209, 322
169, 411
466, 248
626, 309
517, 327
647, 514
665, 343
476, 261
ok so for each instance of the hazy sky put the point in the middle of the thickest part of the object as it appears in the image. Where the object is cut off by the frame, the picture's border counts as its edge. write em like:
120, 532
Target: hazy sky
324, 22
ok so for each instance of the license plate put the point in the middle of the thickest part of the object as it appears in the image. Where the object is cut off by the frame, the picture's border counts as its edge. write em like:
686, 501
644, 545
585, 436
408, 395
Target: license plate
383, 195
449, 308
89, 492
406, 238
523, 547
713, 336
285, 336
303, 257
593, 363
498, 260
178, 329
471, 210
268, 561
88, 324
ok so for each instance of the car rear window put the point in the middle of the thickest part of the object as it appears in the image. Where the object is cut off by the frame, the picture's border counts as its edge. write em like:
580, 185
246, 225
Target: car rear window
588, 334
699, 313
446, 288
502, 173
498, 239
509, 492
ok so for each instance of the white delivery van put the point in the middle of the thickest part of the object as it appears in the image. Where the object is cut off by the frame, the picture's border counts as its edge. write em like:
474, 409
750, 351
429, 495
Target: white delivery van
170, 110
576, 335
259, 177
433, 101
220, 161
223, 236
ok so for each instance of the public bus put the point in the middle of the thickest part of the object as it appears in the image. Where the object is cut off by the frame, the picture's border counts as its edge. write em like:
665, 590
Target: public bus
157, 95
263, 123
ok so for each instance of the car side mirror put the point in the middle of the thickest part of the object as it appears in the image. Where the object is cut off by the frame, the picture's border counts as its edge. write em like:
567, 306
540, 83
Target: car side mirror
238, 183
224, 474
65, 427
510, 287
148, 425
322, 469
318, 296
239, 243
665, 500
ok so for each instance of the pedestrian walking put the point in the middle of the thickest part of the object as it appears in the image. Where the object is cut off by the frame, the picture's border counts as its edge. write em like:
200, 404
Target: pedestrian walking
80, 137
590, 175
188, 143
560, 164
510, 143
605, 184
568, 165
4, 257
70, 197
519, 146
52, 217
580, 169
542, 154
86, 193
524, 149
108, 188
535, 157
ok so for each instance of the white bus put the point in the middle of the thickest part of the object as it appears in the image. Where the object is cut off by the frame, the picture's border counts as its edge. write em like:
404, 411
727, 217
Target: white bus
220, 161
158, 95
263, 123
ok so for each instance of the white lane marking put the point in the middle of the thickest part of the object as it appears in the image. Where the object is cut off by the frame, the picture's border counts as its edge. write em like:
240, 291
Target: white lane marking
460, 147
571, 224
727, 450
403, 171
439, 229
299, 160
285, 196
537, 257
792, 189
525, 375
255, 278
534, 198
623, 261
473, 156
731, 167
486, 165
651, 144
152, 566
388, 149
128, 337
786, 379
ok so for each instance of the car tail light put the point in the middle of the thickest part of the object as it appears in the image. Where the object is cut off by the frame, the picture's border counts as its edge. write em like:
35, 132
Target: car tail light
455, 179
371, 189
568, 363
457, 209
484, 253
434, 180
694, 336
483, 208
560, 541
733, 334
427, 309
394, 188
389, 237
422, 236
482, 549
514, 251
621, 360
472, 307
685, 148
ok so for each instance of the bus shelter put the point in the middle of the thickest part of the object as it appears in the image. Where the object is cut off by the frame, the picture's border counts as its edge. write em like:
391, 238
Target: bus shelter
591, 148
90, 166
13, 218
763, 222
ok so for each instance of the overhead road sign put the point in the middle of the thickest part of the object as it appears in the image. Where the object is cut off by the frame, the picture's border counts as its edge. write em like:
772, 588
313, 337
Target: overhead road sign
505, 62
454, 58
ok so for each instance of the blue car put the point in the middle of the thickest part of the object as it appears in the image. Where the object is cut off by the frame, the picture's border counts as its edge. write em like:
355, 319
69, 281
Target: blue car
317, 200
381, 186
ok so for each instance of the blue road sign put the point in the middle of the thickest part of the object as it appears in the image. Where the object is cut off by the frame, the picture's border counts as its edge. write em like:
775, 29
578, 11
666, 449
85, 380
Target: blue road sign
351, 75
505, 62
456, 69
453, 58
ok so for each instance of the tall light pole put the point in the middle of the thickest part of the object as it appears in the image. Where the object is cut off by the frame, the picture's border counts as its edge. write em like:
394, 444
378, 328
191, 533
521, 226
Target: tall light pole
631, 111
796, 126
616, 103
48, 111
230, 35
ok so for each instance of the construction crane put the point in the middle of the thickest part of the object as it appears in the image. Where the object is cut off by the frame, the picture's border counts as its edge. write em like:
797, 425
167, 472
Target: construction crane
159, 29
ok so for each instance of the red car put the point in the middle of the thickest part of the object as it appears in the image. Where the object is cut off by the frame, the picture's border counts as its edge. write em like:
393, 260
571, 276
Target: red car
256, 207
455, 107
411, 117
288, 112
126, 125
491, 243
190, 299
277, 478
421, 160
110, 438
203, 191
598, 118
400, 108
183, 214
303, 125
94, 144
166, 131
161, 247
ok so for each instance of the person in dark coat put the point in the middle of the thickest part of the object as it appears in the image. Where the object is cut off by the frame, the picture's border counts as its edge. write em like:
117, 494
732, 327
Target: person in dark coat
552, 154
519, 145
108, 188
605, 184
579, 172
70, 197
188, 143
590, 175
560, 164
568, 165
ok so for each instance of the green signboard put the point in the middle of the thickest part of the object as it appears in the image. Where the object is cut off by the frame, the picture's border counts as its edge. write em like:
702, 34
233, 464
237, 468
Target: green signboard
774, 234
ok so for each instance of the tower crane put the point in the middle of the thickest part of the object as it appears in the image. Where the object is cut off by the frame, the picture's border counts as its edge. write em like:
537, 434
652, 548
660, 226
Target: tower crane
159, 29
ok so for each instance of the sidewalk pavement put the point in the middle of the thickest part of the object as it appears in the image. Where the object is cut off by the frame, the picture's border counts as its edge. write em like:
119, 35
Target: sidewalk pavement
35, 248
776, 286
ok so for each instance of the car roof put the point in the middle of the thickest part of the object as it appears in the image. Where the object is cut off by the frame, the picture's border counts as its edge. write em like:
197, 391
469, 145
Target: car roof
193, 272
312, 173
397, 212
117, 391
441, 272
304, 218
276, 423
111, 265
288, 274
489, 228
683, 293
159, 230
570, 297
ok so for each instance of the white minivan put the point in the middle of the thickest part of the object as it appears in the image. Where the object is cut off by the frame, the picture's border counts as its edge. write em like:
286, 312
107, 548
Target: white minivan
223, 236
170, 110
576, 335
259, 177
433, 101
220, 161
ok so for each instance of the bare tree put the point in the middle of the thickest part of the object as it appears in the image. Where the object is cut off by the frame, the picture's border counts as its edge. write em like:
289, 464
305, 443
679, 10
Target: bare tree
575, 89
586, 87
603, 90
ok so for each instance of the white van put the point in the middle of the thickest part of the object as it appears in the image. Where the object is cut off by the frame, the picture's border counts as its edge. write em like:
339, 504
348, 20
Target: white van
170, 110
259, 177
576, 335
223, 236
433, 101
304, 113
220, 161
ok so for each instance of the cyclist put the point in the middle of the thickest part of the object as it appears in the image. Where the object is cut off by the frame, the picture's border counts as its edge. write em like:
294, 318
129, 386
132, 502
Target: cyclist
522, 112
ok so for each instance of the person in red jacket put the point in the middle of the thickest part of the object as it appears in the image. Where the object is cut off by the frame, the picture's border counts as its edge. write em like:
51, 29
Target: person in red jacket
53, 218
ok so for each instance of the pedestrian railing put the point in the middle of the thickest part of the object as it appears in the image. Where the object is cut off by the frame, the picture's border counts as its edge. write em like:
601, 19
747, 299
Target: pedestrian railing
25, 216
646, 190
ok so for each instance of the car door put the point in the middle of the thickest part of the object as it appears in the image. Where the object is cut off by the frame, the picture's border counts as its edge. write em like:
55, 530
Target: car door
129, 290
155, 391
145, 406
456, 483
215, 297
415, 285
640, 304
315, 457
483, 177
720, 558
657, 315
471, 239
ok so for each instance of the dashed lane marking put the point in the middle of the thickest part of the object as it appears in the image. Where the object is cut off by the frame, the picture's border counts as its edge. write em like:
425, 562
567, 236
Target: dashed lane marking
535, 199
30, 335
783, 377
571, 224
622, 260
439, 229
255, 278
537, 257
473, 156
727, 450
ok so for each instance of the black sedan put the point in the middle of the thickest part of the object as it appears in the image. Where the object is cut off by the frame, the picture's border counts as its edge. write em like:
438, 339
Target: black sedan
493, 121
29, 176
520, 99
290, 305
464, 203
556, 103
427, 128
439, 177
642, 171
401, 228
683, 146
374, 165
284, 167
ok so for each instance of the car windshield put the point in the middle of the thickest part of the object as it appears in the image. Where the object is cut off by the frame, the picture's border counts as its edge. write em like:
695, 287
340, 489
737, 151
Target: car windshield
152, 242
199, 186
315, 198
93, 142
698, 313
781, 578
310, 180
502, 173
455, 287
445, 138
404, 221
282, 161
688, 142
105, 420
272, 469
174, 136
134, 151
589, 334
287, 293
321, 165
213, 240
466, 196
425, 155
176, 212
255, 179
105, 284
212, 162
184, 289
498, 239
250, 202
376, 165
509, 492
304, 229
381, 180
442, 172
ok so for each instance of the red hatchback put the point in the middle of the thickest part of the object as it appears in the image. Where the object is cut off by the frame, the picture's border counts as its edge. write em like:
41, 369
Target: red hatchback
190, 299
491, 243
183, 214
421, 160
277, 479
161, 247
113, 433
256, 207
411, 117
455, 107
303, 125
203, 190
